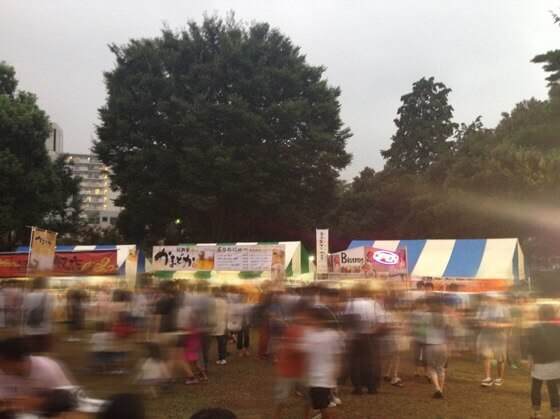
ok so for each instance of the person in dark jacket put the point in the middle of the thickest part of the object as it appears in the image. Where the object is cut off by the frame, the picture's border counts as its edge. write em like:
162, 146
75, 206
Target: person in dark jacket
544, 356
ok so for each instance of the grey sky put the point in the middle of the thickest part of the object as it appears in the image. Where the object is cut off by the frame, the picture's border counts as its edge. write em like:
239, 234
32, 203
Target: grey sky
374, 50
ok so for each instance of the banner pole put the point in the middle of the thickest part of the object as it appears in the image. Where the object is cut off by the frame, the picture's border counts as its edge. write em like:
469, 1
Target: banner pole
407, 273
29, 250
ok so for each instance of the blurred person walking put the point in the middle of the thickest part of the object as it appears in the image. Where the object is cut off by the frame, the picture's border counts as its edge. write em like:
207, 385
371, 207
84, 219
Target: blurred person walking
290, 368
367, 317
323, 348
494, 322
437, 332
37, 310
219, 330
544, 360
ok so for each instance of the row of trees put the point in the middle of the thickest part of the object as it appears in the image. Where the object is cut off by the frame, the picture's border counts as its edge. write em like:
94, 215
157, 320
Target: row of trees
224, 132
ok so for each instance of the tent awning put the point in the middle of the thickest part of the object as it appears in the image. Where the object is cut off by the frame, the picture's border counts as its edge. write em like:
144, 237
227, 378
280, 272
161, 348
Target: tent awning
469, 258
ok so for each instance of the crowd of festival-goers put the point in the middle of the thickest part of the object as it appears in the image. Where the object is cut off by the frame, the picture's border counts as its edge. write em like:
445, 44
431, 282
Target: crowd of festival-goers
320, 339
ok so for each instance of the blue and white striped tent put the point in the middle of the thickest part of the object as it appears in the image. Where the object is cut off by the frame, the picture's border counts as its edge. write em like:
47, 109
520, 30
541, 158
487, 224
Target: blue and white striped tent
472, 258
123, 250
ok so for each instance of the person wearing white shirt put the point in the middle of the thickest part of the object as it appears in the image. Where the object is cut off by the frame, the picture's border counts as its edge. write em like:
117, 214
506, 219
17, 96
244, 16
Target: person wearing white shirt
367, 317
31, 383
220, 326
323, 346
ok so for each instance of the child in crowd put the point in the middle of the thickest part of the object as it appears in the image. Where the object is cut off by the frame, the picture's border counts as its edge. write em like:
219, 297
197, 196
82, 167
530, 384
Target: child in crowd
290, 367
323, 349
103, 354
193, 346
153, 372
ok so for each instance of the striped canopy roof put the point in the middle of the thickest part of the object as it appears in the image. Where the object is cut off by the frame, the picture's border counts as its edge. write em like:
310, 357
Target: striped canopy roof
472, 258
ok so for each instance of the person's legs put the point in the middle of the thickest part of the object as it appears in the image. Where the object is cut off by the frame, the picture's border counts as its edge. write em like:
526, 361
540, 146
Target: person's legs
435, 378
222, 343
247, 338
355, 365
239, 340
501, 369
205, 350
441, 378
552, 387
375, 375
536, 394
487, 368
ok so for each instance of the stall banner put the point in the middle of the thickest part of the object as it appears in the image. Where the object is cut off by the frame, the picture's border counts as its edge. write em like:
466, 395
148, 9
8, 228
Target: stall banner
322, 251
42, 251
218, 258
13, 264
348, 261
369, 261
183, 258
250, 258
95, 262
98, 262
385, 261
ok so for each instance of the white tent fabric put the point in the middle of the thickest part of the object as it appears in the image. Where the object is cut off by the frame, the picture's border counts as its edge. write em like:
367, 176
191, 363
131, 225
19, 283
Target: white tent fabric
500, 259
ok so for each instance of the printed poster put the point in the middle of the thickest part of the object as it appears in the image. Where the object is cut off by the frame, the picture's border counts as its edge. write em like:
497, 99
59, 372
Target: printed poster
183, 258
218, 258
42, 250
322, 251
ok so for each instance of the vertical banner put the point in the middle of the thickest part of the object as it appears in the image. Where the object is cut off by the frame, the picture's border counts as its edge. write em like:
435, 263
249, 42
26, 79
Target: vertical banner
41, 251
322, 251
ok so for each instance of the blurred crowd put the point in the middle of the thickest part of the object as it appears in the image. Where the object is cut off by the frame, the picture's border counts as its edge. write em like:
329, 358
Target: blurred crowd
320, 339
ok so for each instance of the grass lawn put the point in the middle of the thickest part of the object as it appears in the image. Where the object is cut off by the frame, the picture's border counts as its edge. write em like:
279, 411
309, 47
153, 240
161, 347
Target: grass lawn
244, 385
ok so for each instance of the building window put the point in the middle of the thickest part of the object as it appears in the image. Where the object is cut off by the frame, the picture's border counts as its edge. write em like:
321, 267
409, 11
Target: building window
104, 219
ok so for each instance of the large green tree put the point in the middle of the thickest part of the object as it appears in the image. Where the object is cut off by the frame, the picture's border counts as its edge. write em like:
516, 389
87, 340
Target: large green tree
32, 188
222, 131
424, 128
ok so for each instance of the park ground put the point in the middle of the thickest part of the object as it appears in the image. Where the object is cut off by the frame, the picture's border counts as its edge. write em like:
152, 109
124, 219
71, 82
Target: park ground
244, 385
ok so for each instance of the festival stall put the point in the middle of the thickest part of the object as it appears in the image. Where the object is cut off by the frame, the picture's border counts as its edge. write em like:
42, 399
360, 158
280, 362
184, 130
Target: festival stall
91, 263
233, 263
458, 265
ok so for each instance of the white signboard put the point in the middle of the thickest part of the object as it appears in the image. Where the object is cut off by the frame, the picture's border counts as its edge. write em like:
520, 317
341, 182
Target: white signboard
218, 258
322, 251
182, 258
347, 261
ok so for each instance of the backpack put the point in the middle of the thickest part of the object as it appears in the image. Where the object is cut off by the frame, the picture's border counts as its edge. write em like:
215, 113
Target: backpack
37, 314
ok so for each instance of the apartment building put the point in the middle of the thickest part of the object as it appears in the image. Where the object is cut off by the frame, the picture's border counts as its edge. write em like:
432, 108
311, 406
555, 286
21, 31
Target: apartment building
98, 200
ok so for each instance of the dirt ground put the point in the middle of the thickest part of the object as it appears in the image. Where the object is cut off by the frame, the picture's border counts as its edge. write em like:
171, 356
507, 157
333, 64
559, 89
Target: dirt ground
244, 385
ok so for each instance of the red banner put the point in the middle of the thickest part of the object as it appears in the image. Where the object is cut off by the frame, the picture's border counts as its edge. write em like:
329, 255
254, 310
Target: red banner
13, 264
100, 262
385, 261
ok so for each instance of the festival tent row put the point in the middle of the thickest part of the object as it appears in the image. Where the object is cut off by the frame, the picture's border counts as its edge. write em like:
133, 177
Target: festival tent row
297, 266
80, 261
488, 263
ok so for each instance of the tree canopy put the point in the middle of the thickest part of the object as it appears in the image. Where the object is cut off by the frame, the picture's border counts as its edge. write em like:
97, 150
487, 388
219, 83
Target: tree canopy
221, 130
449, 180
424, 127
32, 188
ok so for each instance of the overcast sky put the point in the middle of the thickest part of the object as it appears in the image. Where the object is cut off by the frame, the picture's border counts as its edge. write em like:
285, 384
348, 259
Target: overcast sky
374, 50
